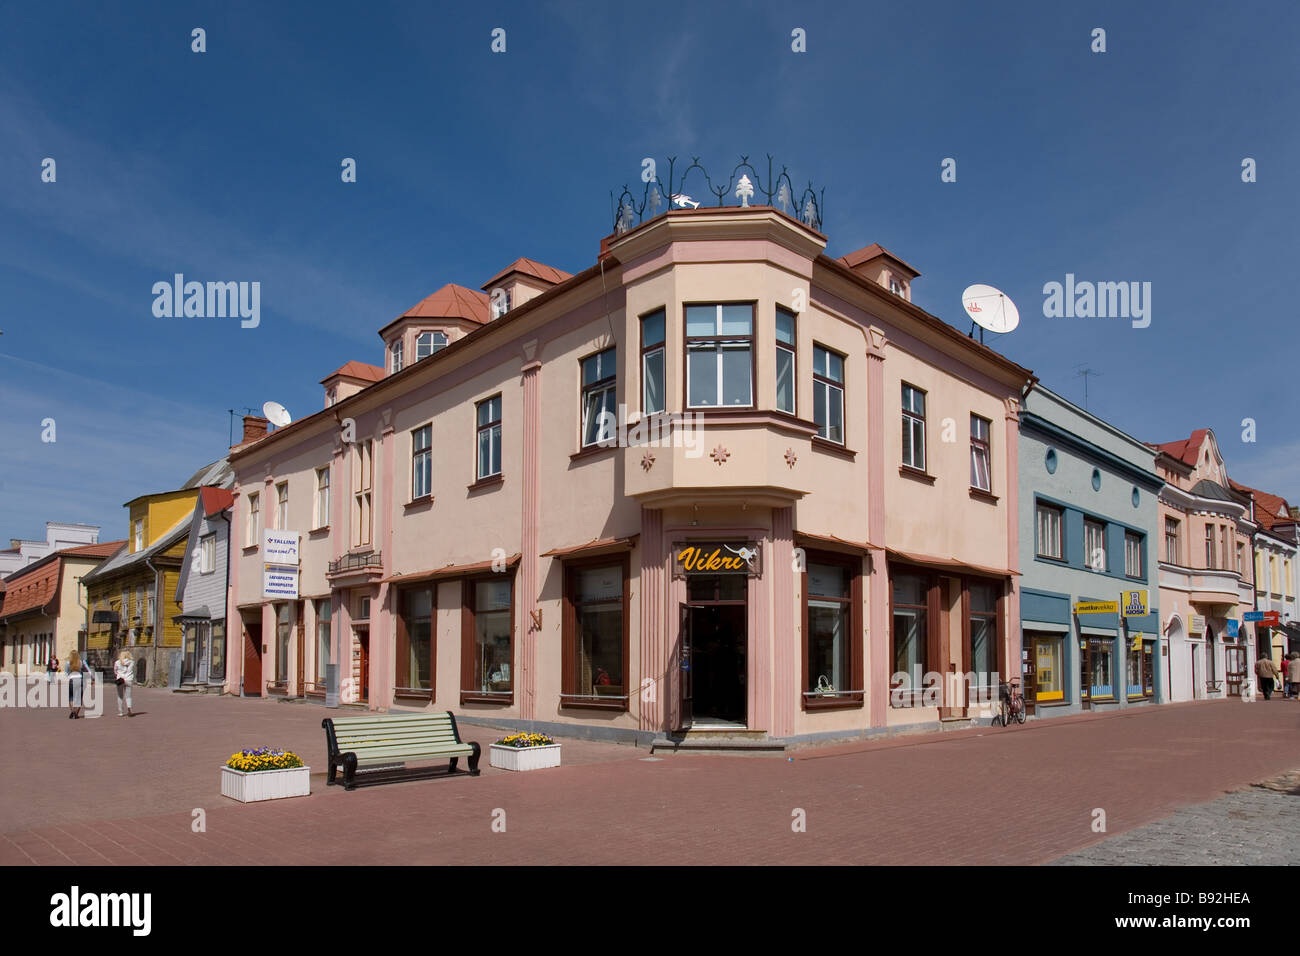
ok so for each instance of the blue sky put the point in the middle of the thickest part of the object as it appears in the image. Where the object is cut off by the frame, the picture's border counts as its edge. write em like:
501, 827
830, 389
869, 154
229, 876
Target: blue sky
1120, 166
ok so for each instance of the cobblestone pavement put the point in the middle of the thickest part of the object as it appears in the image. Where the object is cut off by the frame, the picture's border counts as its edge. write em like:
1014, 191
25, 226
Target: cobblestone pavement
118, 790
1259, 826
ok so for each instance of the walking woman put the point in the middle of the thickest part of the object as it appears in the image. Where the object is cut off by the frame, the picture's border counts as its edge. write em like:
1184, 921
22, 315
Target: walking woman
124, 671
78, 674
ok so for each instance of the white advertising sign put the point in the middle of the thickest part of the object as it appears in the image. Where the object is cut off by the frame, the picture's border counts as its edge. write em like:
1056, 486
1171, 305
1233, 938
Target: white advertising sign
280, 547
278, 582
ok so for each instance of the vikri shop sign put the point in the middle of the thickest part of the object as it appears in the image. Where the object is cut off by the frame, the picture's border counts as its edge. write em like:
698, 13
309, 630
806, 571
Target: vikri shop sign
717, 557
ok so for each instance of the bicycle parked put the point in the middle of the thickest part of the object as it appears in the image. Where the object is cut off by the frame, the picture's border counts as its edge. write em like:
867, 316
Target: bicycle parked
1011, 703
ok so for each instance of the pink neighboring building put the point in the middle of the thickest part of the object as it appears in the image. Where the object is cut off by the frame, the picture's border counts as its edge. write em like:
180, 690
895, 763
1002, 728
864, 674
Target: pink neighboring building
838, 505
1206, 570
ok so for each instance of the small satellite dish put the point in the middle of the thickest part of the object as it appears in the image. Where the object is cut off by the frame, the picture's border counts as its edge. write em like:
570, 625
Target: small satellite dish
990, 308
276, 414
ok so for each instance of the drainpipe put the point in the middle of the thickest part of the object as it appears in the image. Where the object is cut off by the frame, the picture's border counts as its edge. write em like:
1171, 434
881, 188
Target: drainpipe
86, 616
225, 627
157, 634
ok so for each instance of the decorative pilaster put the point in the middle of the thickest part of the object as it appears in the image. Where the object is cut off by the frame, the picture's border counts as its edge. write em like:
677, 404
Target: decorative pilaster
787, 644
876, 640
654, 636
527, 584
1010, 500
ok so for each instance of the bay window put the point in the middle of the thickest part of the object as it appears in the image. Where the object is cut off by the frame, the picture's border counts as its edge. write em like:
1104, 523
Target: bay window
828, 394
720, 356
786, 351
652, 362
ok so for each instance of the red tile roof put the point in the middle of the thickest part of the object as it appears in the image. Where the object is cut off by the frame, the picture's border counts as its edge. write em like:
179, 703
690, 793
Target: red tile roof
531, 267
1269, 509
1187, 450
105, 549
354, 369
867, 253
215, 500
28, 592
451, 302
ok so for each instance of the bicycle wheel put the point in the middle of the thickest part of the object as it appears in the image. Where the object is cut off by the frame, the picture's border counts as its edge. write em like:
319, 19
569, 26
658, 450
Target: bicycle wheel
1020, 713
1002, 714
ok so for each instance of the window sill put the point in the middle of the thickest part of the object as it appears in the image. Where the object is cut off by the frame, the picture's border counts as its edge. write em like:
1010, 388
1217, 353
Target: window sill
907, 471
591, 451
492, 481
979, 494
412, 693
486, 697
322, 530
834, 448
842, 702
617, 704
250, 548
1051, 560
421, 502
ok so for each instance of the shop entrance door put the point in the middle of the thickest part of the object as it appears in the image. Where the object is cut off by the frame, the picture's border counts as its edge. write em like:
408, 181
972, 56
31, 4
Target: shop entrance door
714, 690
252, 659
1235, 668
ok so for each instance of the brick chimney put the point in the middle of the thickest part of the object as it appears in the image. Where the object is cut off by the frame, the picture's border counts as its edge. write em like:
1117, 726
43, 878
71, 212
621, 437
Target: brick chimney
255, 427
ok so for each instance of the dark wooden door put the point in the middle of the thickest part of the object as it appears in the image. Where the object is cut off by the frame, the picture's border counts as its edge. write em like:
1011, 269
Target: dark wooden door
363, 641
685, 676
252, 661
1235, 668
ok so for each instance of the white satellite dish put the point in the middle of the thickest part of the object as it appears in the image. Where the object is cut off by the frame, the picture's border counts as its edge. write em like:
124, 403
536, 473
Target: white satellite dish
990, 308
276, 414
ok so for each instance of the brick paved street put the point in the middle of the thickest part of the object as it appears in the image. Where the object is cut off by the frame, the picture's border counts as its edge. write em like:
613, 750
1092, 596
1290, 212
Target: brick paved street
1252, 827
115, 790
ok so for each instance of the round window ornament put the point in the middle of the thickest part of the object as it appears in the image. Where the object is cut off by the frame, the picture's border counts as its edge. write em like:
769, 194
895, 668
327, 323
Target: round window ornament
1050, 461
1096, 480
1137, 496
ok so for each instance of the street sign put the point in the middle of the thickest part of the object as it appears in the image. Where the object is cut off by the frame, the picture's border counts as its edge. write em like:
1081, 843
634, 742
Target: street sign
1234, 627
1096, 607
1135, 603
1253, 616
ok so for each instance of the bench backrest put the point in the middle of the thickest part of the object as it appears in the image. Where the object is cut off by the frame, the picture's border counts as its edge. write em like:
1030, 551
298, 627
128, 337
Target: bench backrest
394, 730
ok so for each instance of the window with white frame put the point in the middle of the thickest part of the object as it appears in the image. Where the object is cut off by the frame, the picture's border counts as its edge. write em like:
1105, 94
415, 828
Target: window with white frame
913, 427
720, 355
323, 497
207, 553
488, 437
422, 462
395, 355
282, 506
1132, 554
1171, 540
1049, 532
786, 367
652, 362
426, 343
1094, 544
362, 483
599, 388
980, 472
139, 535
828, 394
253, 529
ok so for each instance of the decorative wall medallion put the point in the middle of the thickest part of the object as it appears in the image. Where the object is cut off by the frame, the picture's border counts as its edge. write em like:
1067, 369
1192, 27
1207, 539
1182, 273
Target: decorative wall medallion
647, 461
790, 457
720, 454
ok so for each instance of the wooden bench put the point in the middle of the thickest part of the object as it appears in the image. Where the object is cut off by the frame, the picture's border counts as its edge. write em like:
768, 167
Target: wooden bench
386, 739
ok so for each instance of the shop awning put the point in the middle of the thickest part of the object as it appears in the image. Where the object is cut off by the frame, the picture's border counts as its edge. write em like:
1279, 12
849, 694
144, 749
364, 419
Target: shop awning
594, 547
951, 564
450, 571
833, 542
198, 614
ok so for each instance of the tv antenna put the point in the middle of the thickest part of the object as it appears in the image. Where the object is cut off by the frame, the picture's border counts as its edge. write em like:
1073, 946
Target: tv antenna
247, 411
1085, 372
989, 308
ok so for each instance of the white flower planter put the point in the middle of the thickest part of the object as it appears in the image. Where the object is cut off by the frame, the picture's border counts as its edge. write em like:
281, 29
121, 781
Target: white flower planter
524, 758
265, 784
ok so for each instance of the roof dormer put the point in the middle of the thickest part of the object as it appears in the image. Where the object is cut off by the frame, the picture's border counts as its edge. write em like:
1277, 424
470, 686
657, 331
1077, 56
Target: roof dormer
882, 267
431, 325
518, 282
346, 381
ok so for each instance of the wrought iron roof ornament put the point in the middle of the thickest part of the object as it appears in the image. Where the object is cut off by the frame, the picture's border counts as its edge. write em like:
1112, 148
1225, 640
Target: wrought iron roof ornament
744, 183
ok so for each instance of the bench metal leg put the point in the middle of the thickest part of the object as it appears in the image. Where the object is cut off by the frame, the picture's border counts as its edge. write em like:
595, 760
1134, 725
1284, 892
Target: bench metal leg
473, 759
329, 781
451, 767
349, 771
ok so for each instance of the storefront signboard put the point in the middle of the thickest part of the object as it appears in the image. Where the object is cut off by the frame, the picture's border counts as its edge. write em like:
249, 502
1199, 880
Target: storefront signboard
718, 557
1096, 607
1198, 624
1135, 603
